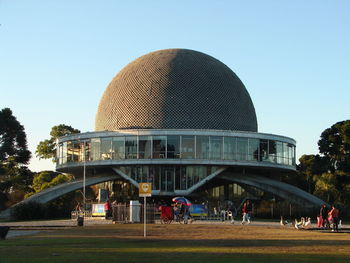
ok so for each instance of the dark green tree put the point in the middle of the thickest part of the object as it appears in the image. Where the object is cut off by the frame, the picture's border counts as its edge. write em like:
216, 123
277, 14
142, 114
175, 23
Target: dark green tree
308, 167
335, 144
15, 177
47, 149
13, 141
47, 179
60, 207
333, 184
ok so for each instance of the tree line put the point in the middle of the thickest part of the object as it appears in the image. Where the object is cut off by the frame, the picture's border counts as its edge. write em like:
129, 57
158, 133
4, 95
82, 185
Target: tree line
17, 181
326, 175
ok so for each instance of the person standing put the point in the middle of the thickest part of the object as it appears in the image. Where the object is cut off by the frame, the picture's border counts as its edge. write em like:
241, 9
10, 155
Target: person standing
186, 213
107, 209
114, 211
324, 216
335, 218
246, 210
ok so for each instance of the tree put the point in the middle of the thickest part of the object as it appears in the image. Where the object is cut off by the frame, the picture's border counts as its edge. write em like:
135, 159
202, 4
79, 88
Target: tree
13, 141
311, 165
335, 144
47, 179
60, 207
47, 149
15, 177
325, 187
331, 172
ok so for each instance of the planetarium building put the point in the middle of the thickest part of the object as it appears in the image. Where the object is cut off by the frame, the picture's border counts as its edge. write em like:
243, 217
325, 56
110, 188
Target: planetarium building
184, 122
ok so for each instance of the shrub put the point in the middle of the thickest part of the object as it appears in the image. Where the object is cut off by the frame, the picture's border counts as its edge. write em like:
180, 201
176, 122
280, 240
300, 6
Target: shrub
28, 211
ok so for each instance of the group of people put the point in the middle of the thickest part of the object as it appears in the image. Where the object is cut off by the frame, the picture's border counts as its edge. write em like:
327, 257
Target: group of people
181, 212
177, 212
328, 218
231, 213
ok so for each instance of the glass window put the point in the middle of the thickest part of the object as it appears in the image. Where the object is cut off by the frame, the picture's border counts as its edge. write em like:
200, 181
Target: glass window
293, 154
145, 147
131, 147
77, 157
177, 178
183, 179
187, 147
144, 175
62, 158
118, 148
85, 148
106, 148
229, 148
154, 177
290, 154
73, 151
263, 150
201, 172
195, 175
133, 174
159, 143
272, 151
69, 152
95, 149
215, 147
189, 174
237, 190
169, 172
285, 153
173, 147
202, 147
163, 178
59, 154
139, 174
253, 152
279, 152
64, 152
212, 169
242, 148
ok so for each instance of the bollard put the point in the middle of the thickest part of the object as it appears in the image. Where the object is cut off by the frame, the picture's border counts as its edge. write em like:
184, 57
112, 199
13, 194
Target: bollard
80, 221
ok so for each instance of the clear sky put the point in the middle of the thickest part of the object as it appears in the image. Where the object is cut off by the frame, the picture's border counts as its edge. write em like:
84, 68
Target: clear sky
57, 57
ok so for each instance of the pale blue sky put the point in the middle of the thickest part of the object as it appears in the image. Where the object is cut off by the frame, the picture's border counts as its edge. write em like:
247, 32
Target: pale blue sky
57, 57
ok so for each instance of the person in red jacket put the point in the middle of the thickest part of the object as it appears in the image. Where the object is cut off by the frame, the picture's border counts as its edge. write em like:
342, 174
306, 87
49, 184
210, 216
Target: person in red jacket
335, 218
108, 209
247, 211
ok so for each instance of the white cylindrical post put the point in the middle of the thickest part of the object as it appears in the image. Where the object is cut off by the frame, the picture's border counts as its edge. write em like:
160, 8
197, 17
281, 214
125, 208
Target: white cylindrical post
144, 216
84, 176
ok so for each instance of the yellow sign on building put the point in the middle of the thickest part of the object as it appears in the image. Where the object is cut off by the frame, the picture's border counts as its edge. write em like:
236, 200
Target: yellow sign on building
145, 189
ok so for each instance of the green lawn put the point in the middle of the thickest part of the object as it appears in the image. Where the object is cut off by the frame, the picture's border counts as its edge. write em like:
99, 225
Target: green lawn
177, 243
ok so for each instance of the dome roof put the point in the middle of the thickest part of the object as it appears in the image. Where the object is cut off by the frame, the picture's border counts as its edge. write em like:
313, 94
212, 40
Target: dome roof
176, 89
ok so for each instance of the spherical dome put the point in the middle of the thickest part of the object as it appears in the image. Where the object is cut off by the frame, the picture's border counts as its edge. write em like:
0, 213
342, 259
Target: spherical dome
176, 89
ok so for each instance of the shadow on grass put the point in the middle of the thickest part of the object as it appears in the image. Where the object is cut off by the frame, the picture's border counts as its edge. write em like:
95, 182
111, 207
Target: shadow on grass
167, 244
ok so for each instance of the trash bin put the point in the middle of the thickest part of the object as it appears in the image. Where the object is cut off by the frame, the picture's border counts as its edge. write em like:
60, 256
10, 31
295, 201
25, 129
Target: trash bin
134, 211
80, 221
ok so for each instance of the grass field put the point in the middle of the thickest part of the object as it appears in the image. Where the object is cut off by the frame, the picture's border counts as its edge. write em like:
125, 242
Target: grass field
177, 243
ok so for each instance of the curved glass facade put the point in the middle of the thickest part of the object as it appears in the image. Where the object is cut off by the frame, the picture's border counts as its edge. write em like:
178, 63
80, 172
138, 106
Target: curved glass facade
168, 178
186, 146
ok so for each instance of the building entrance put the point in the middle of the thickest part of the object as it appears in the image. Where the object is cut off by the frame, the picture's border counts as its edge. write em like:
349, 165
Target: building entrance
167, 180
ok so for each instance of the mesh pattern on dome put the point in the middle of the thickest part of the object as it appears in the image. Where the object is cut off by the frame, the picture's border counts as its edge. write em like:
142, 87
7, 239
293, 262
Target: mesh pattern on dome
176, 89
